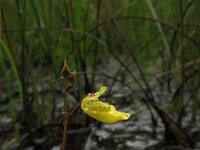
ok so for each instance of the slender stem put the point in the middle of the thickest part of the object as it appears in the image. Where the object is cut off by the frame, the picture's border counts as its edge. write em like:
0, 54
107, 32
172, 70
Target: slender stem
68, 78
65, 115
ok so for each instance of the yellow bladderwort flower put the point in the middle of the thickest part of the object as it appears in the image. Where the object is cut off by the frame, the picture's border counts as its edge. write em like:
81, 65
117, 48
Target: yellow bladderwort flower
102, 111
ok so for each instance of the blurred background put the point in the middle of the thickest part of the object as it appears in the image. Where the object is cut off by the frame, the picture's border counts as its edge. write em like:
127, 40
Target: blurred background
147, 52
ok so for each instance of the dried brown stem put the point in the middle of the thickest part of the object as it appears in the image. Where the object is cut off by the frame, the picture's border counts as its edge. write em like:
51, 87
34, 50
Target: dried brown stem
68, 80
65, 116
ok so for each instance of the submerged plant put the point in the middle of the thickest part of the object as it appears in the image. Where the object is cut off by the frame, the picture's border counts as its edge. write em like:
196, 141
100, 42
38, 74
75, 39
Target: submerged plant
101, 111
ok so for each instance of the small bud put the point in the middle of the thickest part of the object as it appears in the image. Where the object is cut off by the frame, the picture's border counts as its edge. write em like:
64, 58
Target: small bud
67, 74
65, 70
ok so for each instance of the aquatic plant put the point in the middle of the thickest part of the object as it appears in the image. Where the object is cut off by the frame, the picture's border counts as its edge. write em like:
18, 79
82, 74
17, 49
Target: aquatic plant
91, 105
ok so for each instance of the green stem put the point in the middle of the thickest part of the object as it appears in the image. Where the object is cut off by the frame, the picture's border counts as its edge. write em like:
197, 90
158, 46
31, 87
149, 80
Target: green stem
153, 12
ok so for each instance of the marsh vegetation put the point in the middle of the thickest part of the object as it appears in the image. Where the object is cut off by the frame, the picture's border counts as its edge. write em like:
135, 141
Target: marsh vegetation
147, 52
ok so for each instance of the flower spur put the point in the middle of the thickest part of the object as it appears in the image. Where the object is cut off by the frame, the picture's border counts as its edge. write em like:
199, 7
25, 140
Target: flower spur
101, 111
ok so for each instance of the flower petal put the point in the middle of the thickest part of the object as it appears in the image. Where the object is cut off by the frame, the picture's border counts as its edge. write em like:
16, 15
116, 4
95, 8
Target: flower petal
108, 117
101, 91
95, 96
102, 111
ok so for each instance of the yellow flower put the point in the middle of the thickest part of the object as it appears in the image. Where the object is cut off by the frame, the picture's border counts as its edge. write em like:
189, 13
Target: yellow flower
102, 111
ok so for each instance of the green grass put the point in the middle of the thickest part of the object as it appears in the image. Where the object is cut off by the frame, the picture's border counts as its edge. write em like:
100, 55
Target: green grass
5, 71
